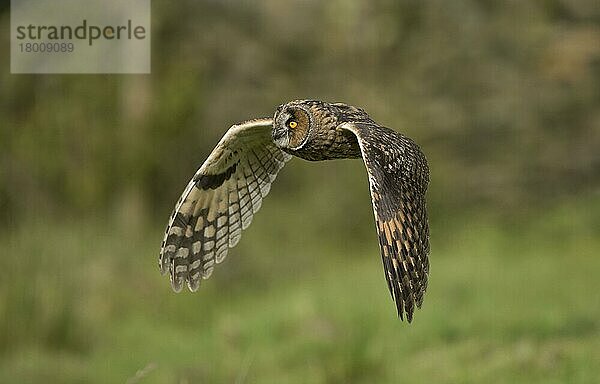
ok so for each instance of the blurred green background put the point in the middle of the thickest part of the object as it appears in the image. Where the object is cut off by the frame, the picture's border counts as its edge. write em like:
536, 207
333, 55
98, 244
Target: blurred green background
502, 96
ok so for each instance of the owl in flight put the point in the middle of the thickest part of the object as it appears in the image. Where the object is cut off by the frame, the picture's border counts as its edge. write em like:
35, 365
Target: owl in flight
227, 190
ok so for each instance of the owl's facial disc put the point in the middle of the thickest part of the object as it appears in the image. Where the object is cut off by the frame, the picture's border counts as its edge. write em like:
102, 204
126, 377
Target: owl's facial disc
291, 127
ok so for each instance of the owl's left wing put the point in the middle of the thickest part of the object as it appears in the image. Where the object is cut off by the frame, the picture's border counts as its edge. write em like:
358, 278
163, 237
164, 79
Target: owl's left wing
219, 202
398, 178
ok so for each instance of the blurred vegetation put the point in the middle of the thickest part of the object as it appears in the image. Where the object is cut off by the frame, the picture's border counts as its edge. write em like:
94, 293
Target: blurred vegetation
504, 99
505, 305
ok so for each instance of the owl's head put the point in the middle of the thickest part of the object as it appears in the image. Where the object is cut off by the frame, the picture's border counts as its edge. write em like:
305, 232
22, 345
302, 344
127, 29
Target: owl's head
291, 124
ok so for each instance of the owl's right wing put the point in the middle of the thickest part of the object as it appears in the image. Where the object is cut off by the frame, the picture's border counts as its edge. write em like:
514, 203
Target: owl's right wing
219, 202
398, 178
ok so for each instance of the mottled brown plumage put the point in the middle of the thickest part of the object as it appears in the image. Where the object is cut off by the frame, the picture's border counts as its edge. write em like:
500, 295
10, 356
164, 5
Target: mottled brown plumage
227, 190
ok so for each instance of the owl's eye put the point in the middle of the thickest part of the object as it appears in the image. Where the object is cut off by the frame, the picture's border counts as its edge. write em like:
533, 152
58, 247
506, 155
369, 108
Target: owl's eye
292, 124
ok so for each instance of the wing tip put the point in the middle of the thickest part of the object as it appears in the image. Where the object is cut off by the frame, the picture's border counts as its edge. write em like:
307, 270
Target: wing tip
163, 270
194, 283
176, 283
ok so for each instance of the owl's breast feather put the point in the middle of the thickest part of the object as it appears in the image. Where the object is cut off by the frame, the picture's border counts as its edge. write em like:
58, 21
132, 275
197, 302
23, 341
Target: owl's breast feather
328, 145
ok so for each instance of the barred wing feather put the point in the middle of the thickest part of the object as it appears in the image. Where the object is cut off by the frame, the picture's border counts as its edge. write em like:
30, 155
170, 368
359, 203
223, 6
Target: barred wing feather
219, 202
398, 179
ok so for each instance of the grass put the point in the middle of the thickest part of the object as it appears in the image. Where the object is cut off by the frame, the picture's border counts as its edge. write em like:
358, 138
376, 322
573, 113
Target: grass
506, 303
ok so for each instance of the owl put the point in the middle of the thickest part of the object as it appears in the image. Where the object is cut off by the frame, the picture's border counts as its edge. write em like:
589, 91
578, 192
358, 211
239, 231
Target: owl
227, 190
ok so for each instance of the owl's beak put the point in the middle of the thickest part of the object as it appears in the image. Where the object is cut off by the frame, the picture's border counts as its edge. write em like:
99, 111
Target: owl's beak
278, 134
